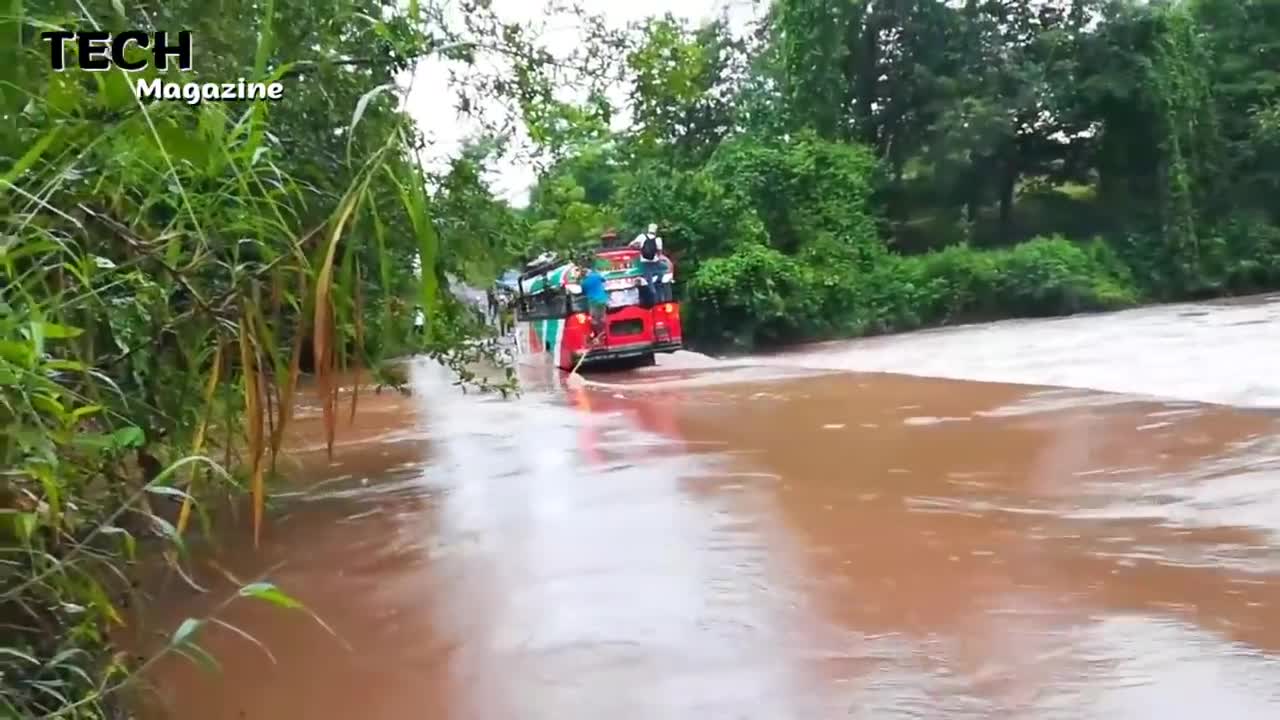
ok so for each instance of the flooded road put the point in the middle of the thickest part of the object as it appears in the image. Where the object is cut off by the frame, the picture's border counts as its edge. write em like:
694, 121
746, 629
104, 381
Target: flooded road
797, 536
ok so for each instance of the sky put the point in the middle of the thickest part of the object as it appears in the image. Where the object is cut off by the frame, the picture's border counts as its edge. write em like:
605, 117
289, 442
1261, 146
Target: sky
431, 102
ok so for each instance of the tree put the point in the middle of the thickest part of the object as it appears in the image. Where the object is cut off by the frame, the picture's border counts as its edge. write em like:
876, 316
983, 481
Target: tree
683, 84
1243, 38
479, 234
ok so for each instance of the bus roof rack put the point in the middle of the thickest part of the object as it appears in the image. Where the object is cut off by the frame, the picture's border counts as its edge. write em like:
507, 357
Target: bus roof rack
539, 264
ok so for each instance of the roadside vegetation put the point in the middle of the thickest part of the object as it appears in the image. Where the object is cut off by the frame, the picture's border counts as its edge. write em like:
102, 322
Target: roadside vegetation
169, 273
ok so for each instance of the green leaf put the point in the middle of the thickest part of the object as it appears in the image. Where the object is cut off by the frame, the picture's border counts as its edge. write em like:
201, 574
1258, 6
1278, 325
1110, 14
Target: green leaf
185, 632
65, 365
98, 598
361, 106
19, 353
94, 441
199, 656
52, 493
28, 159
213, 122
131, 436
285, 69
20, 655
167, 491
115, 88
52, 331
49, 406
265, 38
85, 411
270, 593
17, 250
64, 93
66, 655
130, 542
24, 525
171, 532
182, 144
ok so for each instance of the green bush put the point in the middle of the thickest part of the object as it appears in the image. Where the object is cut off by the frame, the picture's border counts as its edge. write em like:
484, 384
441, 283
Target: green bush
1239, 256
1054, 276
755, 296
1247, 256
760, 296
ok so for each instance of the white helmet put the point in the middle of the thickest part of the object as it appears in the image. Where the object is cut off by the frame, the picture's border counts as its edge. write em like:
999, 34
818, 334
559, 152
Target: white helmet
653, 228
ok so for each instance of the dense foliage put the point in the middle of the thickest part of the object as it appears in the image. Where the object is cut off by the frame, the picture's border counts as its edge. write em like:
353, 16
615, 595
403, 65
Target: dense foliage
169, 271
858, 166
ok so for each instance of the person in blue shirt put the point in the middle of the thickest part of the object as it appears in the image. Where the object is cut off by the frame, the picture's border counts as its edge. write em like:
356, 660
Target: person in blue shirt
592, 283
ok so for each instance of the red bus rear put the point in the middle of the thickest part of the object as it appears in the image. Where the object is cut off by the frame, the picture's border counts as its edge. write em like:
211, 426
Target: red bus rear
637, 324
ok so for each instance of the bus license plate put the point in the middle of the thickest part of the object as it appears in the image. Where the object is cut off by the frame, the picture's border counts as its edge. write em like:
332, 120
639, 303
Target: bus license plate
621, 298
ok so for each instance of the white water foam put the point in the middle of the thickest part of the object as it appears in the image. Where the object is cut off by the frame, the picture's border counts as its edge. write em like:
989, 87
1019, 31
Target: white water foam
1222, 353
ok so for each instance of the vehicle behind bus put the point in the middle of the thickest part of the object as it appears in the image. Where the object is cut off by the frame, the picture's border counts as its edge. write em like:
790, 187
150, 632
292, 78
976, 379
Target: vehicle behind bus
553, 319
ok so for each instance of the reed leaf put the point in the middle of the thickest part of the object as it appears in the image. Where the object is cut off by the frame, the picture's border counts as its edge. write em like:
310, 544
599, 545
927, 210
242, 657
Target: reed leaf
211, 385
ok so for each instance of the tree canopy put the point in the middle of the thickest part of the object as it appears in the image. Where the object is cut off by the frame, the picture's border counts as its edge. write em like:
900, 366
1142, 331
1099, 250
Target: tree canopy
840, 139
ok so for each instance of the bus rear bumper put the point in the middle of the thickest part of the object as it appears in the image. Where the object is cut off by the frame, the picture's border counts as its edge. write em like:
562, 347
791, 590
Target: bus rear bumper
617, 352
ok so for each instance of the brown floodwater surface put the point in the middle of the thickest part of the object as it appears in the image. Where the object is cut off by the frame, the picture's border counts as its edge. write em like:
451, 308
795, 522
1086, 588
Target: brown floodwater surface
780, 537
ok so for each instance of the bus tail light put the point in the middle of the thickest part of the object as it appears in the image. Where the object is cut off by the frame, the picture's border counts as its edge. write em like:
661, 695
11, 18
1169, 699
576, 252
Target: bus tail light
668, 308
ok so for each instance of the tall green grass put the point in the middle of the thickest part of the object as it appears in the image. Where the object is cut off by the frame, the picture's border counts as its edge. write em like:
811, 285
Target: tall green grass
165, 269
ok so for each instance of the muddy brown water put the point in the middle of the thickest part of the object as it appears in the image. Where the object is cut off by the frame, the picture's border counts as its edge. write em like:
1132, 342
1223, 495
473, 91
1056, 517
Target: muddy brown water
789, 537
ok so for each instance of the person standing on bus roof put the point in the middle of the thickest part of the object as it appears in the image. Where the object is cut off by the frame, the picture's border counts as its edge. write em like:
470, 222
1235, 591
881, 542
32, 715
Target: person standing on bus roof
651, 264
649, 243
597, 297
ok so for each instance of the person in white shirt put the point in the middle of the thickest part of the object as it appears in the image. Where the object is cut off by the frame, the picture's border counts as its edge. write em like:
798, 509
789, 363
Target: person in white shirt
651, 262
655, 248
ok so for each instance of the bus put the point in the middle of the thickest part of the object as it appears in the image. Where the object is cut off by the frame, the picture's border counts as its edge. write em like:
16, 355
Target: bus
552, 323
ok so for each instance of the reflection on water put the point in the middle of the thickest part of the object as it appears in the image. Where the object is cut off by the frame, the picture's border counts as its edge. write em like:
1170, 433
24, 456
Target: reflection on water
685, 543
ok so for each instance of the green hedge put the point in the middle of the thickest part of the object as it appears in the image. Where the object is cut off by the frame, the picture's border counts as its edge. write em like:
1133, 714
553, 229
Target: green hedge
759, 296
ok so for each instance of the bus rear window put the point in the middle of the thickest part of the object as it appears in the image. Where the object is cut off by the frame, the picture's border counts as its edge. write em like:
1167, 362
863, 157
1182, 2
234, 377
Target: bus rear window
633, 326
